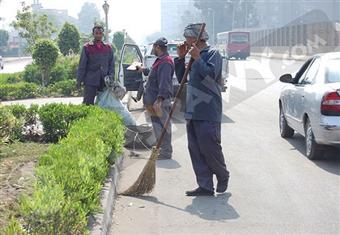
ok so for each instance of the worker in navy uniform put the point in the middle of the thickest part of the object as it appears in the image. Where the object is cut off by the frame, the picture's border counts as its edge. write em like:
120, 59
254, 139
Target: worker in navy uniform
96, 62
158, 94
203, 111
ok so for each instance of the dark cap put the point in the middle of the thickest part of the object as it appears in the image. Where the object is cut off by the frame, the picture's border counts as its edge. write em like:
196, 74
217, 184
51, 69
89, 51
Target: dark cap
163, 42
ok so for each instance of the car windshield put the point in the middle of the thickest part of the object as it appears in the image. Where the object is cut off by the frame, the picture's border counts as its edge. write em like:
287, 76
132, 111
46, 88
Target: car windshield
333, 71
172, 49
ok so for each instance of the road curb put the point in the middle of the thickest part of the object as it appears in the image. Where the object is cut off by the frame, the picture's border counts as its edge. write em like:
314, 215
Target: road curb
12, 59
101, 222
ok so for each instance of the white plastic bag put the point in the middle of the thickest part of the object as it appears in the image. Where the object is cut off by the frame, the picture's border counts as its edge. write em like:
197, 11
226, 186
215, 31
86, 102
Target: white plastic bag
108, 100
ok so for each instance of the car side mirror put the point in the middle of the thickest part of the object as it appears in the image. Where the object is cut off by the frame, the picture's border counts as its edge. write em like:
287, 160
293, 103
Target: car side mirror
286, 78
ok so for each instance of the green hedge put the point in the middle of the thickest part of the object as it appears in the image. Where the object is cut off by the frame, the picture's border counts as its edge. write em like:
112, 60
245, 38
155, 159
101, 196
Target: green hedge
11, 78
22, 90
20, 123
70, 176
64, 88
57, 119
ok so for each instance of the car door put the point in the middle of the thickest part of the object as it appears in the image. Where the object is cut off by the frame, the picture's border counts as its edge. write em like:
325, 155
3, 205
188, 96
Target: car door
290, 95
131, 79
302, 90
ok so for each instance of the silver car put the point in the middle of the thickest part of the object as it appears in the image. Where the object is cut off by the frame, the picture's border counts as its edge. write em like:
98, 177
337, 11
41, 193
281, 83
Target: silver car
310, 104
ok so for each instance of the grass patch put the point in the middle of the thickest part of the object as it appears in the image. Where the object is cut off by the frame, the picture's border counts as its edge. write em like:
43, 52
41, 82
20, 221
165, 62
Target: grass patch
17, 162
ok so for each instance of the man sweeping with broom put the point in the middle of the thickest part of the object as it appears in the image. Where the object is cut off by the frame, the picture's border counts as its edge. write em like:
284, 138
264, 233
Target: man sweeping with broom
203, 111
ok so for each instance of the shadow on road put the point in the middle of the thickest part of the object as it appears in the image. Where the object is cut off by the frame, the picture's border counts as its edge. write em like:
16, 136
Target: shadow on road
168, 164
208, 208
329, 162
213, 208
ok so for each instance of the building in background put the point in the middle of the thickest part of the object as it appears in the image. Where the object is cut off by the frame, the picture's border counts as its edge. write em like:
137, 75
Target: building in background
277, 13
58, 17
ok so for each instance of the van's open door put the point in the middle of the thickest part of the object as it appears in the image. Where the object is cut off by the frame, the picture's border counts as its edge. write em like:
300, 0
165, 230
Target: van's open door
131, 80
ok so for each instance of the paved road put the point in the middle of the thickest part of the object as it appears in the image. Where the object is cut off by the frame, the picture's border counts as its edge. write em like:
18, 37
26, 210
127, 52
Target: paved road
15, 65
274, 188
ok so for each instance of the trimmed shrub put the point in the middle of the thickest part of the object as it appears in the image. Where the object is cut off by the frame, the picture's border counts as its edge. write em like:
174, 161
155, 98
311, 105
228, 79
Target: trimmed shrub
22, 90
72, 63
32, 74
10, 78
45, 55
57, 119
14, 228
71, 174
65, 88
58, 73
7, 123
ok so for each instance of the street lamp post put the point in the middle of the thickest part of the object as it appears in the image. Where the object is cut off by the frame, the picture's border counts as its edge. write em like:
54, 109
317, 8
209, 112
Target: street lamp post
106, 7
213, 24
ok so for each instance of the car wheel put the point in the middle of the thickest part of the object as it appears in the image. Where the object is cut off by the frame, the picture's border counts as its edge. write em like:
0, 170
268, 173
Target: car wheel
313, 150
285, 130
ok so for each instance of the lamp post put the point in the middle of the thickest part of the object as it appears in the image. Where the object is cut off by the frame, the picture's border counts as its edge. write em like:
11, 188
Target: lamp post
106, 7
213, 23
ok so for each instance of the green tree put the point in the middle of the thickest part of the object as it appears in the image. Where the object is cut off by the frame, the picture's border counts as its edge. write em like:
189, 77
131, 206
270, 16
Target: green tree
118, 40
69, 39
3, 38
88, 15
45, 55
32, 27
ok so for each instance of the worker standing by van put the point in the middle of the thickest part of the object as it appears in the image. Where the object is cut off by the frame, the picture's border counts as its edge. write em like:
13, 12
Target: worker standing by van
158, 94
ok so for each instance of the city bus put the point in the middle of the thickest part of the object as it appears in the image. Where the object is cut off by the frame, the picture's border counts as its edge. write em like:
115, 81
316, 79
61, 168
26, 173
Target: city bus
234, 44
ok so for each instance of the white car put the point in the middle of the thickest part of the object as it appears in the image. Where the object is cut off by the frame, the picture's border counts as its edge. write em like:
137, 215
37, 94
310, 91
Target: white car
310, 104
1, 63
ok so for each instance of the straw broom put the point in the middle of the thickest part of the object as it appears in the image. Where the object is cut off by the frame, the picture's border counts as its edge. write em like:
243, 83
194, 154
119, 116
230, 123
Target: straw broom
147, 179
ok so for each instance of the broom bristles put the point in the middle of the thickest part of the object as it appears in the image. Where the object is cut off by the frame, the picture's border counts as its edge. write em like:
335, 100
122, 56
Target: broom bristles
147, 179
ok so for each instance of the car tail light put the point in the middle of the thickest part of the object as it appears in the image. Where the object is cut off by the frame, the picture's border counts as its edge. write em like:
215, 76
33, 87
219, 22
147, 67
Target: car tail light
330, 105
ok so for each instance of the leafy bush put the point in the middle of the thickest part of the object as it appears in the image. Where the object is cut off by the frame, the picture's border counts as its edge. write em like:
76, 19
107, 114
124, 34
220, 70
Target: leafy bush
45, 55
7, 123
22, 90
69, 39
14, 228
71, 63
26, 122
58, 73
32, 74
65, 88
71, 174
10, 78
57, 119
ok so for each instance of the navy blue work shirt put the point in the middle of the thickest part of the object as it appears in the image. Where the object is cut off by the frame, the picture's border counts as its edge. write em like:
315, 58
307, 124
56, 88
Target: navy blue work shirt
159, 83
204, 100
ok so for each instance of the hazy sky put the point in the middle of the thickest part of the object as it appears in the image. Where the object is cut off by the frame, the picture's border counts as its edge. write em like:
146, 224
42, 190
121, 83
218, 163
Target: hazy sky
139, 18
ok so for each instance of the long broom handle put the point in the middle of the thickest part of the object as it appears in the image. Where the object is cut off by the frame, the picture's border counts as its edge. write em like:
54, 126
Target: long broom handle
179, 92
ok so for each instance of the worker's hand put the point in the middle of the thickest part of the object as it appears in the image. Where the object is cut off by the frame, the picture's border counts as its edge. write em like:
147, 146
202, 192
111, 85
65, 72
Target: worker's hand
157, 107
195, 52
182, 50
140, 69
78, 85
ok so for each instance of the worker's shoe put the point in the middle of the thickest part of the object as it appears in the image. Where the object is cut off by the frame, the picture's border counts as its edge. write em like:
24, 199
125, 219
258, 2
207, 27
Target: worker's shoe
222, 185
199, 192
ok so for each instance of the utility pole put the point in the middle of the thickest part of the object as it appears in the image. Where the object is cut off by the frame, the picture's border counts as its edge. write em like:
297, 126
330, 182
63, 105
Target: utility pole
213, 24
246, 15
